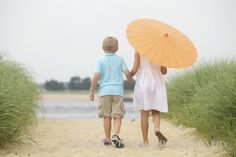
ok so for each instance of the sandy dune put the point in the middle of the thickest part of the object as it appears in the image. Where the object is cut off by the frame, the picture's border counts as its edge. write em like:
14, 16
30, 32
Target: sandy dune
82, 138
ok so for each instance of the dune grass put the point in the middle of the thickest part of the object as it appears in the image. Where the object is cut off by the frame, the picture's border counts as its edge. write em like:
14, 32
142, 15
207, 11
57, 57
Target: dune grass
205, 98
18, 102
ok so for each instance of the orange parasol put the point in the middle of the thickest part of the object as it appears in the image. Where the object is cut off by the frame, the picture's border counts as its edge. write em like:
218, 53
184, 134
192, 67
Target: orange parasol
161, 44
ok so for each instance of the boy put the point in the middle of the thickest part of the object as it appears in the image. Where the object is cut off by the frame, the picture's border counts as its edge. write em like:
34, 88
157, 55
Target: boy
109, 74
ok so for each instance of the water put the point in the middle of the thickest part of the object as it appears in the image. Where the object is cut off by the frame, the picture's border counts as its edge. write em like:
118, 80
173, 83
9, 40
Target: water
76, 109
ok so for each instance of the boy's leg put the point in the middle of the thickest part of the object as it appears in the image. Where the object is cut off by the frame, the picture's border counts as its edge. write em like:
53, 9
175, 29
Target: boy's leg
107, 128
118, 111
144, 125
116, 140
117, 126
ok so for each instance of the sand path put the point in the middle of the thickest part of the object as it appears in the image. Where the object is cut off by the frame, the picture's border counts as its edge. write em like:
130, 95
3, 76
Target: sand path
82, 138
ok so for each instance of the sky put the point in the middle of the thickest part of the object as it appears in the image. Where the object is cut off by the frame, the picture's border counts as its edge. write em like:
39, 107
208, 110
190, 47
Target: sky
57, 39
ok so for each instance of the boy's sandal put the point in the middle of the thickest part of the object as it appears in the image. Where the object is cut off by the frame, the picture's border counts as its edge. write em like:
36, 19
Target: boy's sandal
161, 137
117, 142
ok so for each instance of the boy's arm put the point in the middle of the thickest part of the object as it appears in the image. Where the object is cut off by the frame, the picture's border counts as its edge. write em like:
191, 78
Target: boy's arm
128, 76
93, 85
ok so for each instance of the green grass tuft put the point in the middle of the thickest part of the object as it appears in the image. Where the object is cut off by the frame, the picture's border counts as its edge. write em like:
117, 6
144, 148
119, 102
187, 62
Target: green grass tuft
205, 98
18, 102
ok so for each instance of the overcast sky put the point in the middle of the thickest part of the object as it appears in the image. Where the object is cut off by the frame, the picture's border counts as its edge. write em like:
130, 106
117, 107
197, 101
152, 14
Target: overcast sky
57, 39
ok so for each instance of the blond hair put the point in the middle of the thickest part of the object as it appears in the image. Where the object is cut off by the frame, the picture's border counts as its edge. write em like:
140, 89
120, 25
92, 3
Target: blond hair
110, 44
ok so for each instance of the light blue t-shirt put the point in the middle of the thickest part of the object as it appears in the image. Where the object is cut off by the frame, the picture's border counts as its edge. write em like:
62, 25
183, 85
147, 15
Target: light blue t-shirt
111, 68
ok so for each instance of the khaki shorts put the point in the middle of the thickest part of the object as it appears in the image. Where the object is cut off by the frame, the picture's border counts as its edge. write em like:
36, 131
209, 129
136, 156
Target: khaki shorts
111, 106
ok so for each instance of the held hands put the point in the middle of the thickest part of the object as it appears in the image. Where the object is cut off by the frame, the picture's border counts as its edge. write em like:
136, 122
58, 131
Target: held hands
132, 72
130, 81
129, 77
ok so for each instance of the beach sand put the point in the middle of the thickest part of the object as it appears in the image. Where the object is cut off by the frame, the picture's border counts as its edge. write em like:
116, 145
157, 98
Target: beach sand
82, 138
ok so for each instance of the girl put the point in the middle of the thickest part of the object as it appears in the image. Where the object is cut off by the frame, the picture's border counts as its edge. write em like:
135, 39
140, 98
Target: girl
149, 94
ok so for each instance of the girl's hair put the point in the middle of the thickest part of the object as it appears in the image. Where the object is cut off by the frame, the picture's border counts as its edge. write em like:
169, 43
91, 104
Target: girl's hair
110, 44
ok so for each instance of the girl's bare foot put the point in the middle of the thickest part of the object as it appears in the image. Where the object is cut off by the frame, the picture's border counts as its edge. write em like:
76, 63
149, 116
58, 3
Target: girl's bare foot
161, 137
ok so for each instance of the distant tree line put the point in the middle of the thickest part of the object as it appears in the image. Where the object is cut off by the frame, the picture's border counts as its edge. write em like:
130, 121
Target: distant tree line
75, 83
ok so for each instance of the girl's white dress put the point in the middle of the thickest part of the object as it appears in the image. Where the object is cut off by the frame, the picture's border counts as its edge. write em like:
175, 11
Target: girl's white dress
150, 88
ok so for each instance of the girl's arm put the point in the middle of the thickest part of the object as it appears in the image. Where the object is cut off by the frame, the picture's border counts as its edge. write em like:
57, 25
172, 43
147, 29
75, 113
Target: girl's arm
136, 64
93, 86
163, 70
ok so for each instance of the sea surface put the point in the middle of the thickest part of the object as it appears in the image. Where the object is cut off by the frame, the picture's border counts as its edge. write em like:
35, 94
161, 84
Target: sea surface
77, 109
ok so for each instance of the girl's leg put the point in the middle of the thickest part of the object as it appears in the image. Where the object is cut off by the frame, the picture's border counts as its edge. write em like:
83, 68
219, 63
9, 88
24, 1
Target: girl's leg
156, 120
117, 125
144, 125
156, 123
107, 128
